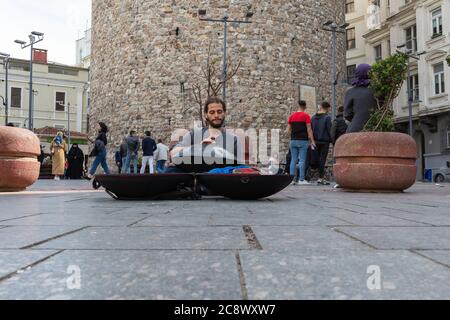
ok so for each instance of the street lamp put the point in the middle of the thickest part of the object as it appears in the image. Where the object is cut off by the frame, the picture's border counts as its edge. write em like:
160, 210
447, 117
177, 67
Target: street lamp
34, 37
334, 28
6, 58
68, 122
416, 56
225, 20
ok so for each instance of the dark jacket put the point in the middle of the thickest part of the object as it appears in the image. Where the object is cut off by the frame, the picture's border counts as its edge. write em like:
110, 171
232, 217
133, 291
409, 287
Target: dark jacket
123, 149
148, 146
321, 127
132, 144
359, 103
338, 128
99, 144
118, 157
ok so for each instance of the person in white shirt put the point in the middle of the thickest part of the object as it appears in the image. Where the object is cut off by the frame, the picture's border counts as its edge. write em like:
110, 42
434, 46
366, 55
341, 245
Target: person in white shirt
161, 156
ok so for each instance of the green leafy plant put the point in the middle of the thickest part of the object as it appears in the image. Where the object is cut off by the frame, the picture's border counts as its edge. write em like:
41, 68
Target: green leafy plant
387, 77
448, 60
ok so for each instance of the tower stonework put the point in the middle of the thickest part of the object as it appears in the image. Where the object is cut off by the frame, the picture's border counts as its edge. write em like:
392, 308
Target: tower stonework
148, 55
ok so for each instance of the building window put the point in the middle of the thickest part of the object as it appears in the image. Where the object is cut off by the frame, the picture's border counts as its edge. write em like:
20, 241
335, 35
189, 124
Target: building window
373, 11
411, 38
413, 87
350, 73
448, 136
349, 6
439, 78
16, 97
378, 52
60, 101
436, 21
351, 39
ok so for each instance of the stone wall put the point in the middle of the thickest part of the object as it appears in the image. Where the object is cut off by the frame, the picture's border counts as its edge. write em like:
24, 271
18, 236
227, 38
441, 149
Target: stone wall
147, 55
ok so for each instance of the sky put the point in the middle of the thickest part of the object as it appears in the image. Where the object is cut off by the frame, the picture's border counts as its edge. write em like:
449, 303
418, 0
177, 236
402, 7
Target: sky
61, 21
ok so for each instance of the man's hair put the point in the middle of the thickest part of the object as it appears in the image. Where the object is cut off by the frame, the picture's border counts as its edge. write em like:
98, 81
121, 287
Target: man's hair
103, 127
10, 124
212, 100
302, 104
148, 133
159, 141
325, 105
341, 109
132, 132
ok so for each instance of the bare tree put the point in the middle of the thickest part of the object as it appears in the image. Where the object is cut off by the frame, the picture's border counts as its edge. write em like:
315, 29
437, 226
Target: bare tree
210, 80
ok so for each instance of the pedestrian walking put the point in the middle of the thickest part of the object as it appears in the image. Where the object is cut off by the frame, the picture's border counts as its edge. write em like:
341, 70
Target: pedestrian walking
161, 156
58, 149
148, 149
321, 127
359, 100
99, 150
299, 128
132, 152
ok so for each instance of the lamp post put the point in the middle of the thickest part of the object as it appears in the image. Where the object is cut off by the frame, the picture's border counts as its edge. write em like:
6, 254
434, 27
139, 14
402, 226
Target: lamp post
6, 58
68, 123
334, 28
225, 20
34, 37
416, 56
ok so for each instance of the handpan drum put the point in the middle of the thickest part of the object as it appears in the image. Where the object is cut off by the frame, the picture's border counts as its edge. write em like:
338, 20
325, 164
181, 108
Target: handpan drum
173, 186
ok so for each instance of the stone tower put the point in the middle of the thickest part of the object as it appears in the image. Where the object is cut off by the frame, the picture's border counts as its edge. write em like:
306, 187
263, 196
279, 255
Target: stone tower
148, 56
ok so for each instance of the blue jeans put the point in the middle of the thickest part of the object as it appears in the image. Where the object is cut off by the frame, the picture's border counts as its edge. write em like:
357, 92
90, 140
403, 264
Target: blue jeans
160, 166
299, 149
99, 159
128, 158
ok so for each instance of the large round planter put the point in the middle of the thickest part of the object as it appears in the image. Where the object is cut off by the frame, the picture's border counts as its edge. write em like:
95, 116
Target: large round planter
375, 161
19, 167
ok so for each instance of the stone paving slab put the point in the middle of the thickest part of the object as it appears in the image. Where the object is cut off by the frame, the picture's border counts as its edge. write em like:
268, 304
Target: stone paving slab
276, 219
402, 237
436, 219
292, 239
13, 260
291, 275
129, 275
442, 256
17, 237
77, 220
373, 220
175, 220
157, 238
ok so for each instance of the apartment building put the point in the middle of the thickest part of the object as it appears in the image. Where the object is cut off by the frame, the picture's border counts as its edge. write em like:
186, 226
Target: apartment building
60, 97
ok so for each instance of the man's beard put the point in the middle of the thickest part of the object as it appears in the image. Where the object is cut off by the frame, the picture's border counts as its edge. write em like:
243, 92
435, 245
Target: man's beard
215, 125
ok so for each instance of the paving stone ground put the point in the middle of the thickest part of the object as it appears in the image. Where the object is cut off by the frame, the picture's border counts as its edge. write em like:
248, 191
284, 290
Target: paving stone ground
64, 240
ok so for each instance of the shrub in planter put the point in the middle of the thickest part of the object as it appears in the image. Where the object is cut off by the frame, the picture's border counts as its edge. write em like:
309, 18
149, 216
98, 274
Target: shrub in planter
379, 159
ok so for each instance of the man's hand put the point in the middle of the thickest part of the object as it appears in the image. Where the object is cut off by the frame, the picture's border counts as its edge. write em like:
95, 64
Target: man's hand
209, 140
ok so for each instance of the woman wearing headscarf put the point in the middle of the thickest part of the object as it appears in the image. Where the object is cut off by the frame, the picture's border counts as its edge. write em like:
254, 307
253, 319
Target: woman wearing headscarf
359, 100
99, 150
76, 159
58, 149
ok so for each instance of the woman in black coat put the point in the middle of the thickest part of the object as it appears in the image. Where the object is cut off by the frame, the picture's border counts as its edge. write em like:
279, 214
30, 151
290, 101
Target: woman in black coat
75, 159
359, 100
